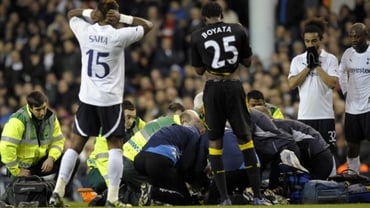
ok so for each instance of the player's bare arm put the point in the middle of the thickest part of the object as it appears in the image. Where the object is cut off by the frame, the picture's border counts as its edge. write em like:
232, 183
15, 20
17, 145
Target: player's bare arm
298, 79
246, 62
200, 70
331, 81
114, 15
95, 15
147, 25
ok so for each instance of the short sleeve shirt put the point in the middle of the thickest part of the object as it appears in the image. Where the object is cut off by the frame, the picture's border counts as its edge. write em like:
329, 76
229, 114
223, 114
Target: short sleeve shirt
102, 56
316, 98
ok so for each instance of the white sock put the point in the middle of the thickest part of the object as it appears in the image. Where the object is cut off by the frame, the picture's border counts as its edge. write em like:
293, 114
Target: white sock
354, 164
65, 172
112, 195
334, 169
115, 170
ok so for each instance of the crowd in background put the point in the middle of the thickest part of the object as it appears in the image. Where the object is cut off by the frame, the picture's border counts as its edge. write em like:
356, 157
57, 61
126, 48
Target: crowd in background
38, 51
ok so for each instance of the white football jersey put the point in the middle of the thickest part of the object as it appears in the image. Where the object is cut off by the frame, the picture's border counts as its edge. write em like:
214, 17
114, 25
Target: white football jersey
316, 98
354, 71
103, 63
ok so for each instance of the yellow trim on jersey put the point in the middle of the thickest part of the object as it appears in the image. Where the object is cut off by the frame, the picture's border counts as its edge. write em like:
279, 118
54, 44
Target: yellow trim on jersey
213, 151
248, 145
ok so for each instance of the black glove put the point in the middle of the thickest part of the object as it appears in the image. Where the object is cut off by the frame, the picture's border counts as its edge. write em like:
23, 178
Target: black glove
312, 58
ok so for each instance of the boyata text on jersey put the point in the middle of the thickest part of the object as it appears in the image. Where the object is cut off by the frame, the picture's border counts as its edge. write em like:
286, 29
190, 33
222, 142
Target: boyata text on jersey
216, 30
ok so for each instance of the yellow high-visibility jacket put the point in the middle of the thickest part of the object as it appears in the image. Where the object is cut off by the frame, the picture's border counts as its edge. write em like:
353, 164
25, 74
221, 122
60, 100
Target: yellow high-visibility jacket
275, 111
21, 146
134, 145
99, 157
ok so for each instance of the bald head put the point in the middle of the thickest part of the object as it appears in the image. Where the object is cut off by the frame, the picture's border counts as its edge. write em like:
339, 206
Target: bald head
358, 35
198, 102
191, 118
359, 27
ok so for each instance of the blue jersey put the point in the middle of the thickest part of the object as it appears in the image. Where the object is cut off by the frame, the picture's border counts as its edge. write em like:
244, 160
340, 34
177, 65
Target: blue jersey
178, 143
232, 157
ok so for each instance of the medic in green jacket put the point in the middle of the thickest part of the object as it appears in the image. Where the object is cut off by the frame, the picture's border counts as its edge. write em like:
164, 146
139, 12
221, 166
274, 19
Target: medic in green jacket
32, 133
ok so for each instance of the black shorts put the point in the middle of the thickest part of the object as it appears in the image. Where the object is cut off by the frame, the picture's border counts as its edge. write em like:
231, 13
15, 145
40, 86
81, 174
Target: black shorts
225, 100
326, 127
93, 120
357, 127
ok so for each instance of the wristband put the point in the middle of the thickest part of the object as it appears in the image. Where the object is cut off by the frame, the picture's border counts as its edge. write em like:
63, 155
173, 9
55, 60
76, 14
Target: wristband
87, 13
126, 19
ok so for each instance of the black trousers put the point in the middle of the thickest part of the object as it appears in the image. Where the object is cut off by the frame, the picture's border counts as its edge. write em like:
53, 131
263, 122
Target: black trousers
168, 182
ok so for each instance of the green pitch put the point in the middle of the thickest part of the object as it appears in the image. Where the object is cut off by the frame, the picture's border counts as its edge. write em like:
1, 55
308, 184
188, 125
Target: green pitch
82, 204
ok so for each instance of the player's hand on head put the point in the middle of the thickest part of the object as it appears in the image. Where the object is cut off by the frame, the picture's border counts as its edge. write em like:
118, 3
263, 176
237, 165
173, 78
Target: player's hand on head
112, 17
96, 15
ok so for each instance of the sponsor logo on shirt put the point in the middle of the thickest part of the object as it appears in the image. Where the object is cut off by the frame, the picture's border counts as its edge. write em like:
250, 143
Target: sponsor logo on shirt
359, 70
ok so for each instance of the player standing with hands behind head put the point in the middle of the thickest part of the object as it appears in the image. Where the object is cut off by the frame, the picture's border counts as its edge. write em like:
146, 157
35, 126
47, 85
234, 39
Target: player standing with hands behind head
315, 73
217, 50
101, 92
354, 71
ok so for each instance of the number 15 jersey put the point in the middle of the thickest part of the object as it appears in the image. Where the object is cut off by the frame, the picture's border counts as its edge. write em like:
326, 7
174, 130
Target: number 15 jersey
219, 47
103, 63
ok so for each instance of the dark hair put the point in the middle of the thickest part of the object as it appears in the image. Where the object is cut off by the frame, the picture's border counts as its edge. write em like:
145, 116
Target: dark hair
211, 9
255, 94
128, 105
313, 25
173, 107
36, 99
105, 5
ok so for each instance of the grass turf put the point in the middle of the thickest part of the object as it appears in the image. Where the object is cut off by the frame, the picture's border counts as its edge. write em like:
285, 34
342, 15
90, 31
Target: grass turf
357, 205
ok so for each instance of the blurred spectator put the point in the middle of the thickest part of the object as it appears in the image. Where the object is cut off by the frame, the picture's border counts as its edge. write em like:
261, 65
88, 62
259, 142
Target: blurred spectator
5, 114
229, 15
35, 71
49, 56
166, 55
290, 13
65, 96
170, 28
51, 88
69, 60
14, 68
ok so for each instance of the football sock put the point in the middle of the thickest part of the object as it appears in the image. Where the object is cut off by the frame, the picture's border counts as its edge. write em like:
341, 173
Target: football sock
354, 164
115, 170
66, 168
215, 158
